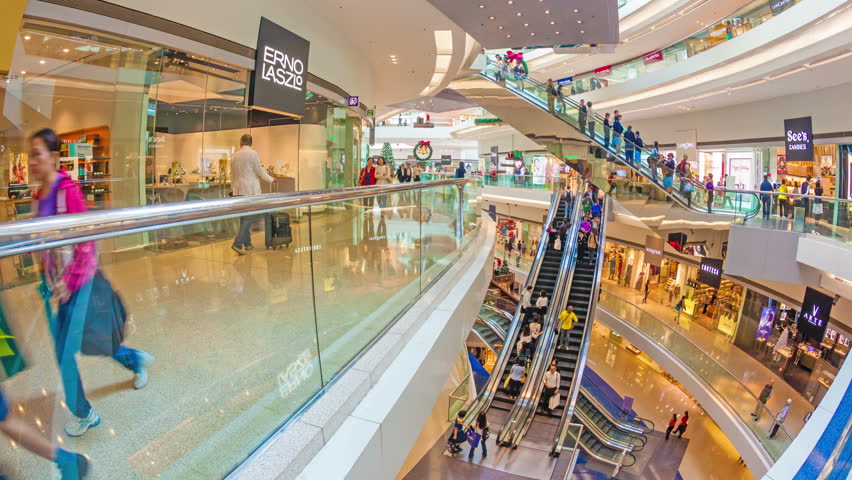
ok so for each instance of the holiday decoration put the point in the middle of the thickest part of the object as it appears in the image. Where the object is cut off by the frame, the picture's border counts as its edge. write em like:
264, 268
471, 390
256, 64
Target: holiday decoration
517, 65
387, 152
423, 150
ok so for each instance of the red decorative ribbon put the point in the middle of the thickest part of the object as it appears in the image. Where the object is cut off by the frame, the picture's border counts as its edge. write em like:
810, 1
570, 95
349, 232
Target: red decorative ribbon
515, 56
424, 143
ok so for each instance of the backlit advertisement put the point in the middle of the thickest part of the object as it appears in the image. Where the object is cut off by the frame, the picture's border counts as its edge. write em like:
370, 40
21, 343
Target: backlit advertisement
767, 320
816, 310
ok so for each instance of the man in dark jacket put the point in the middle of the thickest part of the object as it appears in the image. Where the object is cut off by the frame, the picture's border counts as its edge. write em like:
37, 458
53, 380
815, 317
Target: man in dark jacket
765, 198
761, 400
630, 144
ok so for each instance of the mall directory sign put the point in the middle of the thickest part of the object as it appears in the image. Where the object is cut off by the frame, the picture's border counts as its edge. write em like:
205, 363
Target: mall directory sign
280, 78
799, 139
816, 310
654, 250
710, 272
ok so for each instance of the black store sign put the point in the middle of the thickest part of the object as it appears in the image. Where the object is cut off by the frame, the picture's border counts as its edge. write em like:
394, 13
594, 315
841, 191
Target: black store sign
280, 77
710, 272
816, 310
799, 139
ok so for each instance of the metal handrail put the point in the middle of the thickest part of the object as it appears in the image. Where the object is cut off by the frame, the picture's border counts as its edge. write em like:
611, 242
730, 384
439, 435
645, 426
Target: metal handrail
621, 423
483, 401
570, 402
525, 406
605, 438
60, 230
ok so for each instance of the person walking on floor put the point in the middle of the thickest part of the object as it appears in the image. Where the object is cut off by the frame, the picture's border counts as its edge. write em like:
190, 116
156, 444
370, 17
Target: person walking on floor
457, 434
684, 421
672, 424
566, 320
766, 198
460, 171
246, 174
516, 374
483, 429
612, 266
762, 399
679, 308
91, 317
647, 291
782, 415
710, 192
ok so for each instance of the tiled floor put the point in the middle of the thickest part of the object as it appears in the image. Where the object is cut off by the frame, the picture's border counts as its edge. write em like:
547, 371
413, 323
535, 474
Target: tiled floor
748, 370
235, 340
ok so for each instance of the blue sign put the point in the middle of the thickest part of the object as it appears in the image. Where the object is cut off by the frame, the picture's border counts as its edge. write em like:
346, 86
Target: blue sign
354, 101
565, 81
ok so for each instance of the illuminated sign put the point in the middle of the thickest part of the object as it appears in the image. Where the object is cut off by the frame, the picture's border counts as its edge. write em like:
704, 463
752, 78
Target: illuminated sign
654, 250
778, 6
354, 101
603, 71
280, 70
565, 81
718, 33
653, 57
816, 310
710, 272
799, 139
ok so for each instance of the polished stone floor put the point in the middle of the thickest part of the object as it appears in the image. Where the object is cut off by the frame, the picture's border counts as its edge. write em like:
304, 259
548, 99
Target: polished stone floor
240, 341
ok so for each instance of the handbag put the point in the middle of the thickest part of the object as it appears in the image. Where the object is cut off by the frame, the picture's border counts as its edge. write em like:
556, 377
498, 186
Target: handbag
506, 382
554, 401
817, 210
688, 187
473, 438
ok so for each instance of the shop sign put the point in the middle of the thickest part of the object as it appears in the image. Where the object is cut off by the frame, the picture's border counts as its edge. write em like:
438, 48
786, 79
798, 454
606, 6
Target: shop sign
280, 70
778, 6
565, 81
767, 319
718, 33
371, 113
654, 250
653, 57
354, 101
446, 159
781, 160
710, 272
603, 71
799, 139
816, 310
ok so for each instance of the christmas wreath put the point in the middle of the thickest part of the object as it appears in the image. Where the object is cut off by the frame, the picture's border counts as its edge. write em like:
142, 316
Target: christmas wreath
515, 60
423, 151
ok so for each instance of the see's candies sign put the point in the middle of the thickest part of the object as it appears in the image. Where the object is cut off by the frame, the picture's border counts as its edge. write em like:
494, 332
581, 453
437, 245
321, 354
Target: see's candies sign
653, 57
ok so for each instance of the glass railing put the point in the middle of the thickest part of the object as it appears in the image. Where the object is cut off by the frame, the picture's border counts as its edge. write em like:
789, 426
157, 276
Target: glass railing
659, 182
235, 343
535, 182
738, 397
613, 406
744, 19
458, 398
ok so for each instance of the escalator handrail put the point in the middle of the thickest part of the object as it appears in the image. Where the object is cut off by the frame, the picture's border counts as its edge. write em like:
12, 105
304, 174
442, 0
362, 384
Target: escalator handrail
674, 194
605, 438
522, 413
621, 423
573, 389
641, 437
484, 399
494, 326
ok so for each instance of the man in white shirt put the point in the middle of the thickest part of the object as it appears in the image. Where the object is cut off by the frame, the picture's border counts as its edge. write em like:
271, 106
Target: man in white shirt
551, 385
526, 300
246, 174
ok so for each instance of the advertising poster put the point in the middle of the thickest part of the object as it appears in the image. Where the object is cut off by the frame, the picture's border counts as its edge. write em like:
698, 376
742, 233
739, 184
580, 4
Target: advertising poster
767, 320
816, 310
782, 164
18, 170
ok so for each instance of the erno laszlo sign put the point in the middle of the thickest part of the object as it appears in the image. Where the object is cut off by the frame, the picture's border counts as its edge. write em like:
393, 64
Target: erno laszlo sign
799, 139
280, 77
816, 309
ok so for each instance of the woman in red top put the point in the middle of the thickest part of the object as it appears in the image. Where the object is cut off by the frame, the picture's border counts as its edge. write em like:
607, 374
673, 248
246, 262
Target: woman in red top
684, 420
368, 177
672, 424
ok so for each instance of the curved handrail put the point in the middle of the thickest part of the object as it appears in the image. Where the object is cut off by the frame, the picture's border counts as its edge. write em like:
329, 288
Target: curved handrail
26, 236
714, 374
522, 413
502, 303
597, 137
625, 421
484, 399
608, 439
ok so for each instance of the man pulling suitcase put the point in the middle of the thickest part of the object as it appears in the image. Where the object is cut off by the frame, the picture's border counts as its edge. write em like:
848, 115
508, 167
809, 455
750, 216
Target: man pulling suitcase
246, 174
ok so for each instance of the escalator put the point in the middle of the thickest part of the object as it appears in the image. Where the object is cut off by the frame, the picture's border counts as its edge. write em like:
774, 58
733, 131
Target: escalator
491, 326
595, 166
546, 281
543, 277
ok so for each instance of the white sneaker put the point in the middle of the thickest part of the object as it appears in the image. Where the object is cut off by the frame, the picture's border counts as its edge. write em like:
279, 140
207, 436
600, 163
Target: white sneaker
145, 360
77, 426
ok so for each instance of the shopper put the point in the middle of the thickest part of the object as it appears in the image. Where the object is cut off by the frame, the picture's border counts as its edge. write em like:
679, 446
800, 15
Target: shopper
541, 303
630, 144
617, 130
647, 291
551, 236
526, 300
384, 174
460, 171
668, 172
524, 340
552, 380
596, 209
782, 415
91, 317
766, 198
590, 122
246, 174
592, 245
818, 206
582, 116
72, 466
566, 321
563, 231
679, 308
783, 199
806, 190
417, 171
612, 266
457, 435
762, 399
403, 173
516, 374
484, 430
672, 424
653, 159
607, 128
709, 189
684, 421
552, 94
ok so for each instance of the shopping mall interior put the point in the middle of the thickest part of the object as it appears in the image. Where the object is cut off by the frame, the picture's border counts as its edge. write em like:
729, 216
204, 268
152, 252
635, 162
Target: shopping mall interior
425, 240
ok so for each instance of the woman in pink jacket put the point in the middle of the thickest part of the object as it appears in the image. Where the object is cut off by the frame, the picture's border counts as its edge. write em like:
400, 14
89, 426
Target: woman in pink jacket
91, 317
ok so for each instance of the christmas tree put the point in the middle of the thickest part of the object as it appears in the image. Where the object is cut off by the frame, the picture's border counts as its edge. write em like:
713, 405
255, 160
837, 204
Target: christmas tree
387, 152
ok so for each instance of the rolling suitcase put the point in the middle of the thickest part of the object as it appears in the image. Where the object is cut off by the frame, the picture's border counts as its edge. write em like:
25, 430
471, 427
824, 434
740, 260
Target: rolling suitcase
278, 232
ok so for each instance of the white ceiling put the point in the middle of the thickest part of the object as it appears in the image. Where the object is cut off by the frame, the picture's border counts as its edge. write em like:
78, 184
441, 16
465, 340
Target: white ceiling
521, 23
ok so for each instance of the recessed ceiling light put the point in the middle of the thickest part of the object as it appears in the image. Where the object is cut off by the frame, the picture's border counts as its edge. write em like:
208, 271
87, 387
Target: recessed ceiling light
576, 11
491, 17
526, 24
500, 27
547, 12
557, 33
579, 21
65, 50
582, 31
532, 34
482, 6
508, 36
552, 22
519, 14
23, 72
41, 62
511, 2
26, 37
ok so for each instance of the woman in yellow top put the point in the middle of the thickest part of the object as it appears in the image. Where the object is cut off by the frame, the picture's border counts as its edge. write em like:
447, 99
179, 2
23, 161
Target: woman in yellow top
782, 199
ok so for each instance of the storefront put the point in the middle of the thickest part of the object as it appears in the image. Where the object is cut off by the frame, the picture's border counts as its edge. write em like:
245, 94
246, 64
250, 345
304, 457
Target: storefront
143, 124
824, 166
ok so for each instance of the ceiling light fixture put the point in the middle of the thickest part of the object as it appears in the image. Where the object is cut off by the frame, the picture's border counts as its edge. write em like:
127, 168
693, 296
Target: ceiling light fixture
579, 21
23, 72
558, 33
526, 24
26, 37
500, 27
65, 50
582, 31
532, 34
576, 11
552, 22
41, 62
519, 14
482, 6
508, 36
547, 12
491, 17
